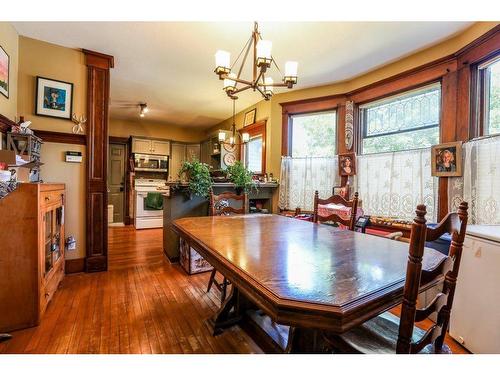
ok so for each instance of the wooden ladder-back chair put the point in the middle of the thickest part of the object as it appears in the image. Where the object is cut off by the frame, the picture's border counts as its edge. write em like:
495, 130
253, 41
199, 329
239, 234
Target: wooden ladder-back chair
336, 199
387, 333
219, 206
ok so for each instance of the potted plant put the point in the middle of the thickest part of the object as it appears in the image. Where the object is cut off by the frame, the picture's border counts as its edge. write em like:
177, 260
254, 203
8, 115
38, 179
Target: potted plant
198, 176
241, 177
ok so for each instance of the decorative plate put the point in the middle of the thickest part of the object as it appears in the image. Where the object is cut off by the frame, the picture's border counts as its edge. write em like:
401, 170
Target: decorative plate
229, 159
229, 147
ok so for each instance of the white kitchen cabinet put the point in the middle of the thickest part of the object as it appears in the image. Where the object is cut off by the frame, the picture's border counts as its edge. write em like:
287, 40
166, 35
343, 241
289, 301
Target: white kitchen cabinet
150, 146
160, 147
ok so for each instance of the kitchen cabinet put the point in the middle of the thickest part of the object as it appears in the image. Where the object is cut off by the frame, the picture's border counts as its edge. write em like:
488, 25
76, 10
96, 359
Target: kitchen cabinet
180, 152
205, 152
160, 147
150, 146
32, 252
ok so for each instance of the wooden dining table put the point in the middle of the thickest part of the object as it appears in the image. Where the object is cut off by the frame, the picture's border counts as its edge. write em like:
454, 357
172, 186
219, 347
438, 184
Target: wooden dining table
301, 275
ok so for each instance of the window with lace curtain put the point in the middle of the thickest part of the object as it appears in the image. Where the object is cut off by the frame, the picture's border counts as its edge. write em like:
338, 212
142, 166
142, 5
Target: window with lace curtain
394, 168
312, 164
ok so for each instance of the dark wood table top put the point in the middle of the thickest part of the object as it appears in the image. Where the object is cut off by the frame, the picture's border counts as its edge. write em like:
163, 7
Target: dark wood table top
295, 269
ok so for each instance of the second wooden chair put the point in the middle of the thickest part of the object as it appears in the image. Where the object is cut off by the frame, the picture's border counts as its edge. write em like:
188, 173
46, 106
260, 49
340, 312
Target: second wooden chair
336, 199
220, 205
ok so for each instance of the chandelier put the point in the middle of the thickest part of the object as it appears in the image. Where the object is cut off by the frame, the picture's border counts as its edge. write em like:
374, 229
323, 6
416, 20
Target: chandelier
261, 62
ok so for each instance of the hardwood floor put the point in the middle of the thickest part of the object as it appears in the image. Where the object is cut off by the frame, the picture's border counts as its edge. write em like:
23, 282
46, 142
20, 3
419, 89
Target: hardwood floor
143, 304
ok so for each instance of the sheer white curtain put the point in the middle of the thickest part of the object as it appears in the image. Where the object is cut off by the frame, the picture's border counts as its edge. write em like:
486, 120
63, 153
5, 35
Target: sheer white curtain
480, 185
393, 184
300, 177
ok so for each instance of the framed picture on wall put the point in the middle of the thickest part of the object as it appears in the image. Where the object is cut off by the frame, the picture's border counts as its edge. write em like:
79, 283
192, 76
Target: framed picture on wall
249, 117
4, 72
347, 164
53, 98
446, 159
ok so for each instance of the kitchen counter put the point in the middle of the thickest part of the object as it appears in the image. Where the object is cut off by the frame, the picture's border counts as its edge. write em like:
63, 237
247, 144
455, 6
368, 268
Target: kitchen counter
177, 204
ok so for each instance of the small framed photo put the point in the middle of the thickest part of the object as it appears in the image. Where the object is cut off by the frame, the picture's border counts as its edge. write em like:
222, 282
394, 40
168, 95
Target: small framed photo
347, 164
53, 98
343, 191
4, 72
249, 117
446, 159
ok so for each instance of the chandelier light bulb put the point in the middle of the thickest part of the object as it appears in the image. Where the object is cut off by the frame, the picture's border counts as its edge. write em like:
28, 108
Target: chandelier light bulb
264, 49
222, 59
268, 88
245, 137
291, 68
229, 82
222, 136
231, 140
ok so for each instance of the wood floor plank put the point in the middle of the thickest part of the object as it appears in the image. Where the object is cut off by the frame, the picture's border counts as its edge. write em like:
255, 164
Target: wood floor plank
143, 304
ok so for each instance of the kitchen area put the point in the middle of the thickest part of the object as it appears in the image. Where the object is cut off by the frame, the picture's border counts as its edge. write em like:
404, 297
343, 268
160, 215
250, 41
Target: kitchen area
146, 188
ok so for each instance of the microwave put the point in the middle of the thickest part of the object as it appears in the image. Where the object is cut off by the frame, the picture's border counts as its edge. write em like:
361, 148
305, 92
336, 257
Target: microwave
151, 163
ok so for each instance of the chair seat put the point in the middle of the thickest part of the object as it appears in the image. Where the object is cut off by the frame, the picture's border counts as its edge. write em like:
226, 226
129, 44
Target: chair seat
378, 335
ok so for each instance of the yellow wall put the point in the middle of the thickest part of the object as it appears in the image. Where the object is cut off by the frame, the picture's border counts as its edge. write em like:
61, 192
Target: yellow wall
10, 43
37, 58
272, 109
126, 128
73, 175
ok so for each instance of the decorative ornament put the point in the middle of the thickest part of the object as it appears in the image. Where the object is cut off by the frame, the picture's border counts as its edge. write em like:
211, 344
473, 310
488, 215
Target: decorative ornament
349, 124
78, 127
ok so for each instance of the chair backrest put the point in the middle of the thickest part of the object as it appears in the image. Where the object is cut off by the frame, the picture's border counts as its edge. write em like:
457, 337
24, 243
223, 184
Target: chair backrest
455, 224
220, 204
336, 199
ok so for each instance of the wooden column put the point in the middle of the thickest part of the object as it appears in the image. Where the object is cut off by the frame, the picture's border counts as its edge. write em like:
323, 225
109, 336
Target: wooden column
98, 66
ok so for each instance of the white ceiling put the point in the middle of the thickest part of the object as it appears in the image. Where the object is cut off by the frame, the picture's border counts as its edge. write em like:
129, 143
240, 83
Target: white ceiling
170, 65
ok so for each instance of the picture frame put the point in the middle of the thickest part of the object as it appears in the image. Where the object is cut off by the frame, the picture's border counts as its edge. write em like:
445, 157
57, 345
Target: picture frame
343, 191
446, 159
250, 117
4, 72
53, 98
347, 164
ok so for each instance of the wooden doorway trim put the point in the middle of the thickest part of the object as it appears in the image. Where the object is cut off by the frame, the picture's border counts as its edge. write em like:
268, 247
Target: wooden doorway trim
98, 66
127, 219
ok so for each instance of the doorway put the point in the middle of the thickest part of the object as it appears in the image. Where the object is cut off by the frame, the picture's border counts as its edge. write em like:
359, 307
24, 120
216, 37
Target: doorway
116, 183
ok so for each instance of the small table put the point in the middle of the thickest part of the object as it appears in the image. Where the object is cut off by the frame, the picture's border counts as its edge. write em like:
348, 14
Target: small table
307, 276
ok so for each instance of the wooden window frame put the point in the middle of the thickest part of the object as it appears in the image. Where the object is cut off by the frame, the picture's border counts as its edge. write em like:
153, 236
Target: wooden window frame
480, 94
310, 106
256, 129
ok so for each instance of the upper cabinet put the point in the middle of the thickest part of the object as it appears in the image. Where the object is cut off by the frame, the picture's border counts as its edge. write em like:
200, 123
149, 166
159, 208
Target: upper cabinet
150, 146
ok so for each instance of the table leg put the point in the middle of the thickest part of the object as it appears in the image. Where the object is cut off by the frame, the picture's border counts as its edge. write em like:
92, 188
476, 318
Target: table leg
305, 340
229, 313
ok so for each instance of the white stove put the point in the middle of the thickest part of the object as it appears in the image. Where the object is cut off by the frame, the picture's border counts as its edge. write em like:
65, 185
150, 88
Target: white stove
147, 217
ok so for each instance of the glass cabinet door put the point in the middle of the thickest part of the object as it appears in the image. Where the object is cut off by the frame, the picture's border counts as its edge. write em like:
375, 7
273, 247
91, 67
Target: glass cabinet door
48, 241
56, 246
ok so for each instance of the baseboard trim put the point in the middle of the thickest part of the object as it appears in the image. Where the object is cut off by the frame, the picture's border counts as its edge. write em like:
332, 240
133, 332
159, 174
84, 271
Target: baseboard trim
74, 265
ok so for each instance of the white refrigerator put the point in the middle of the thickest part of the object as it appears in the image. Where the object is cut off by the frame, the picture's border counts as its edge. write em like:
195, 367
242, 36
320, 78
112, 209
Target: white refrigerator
475, 316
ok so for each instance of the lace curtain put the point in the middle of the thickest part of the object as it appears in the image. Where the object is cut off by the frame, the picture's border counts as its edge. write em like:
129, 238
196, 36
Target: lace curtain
300, 177
480, 184
393, 184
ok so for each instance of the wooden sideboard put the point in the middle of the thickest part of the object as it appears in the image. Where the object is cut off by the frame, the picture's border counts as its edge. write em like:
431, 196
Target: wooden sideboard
31, 252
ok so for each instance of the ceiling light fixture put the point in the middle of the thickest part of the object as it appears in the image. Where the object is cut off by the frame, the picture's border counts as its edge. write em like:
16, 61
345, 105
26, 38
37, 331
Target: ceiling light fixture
262, 60
245, 137
144, 109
